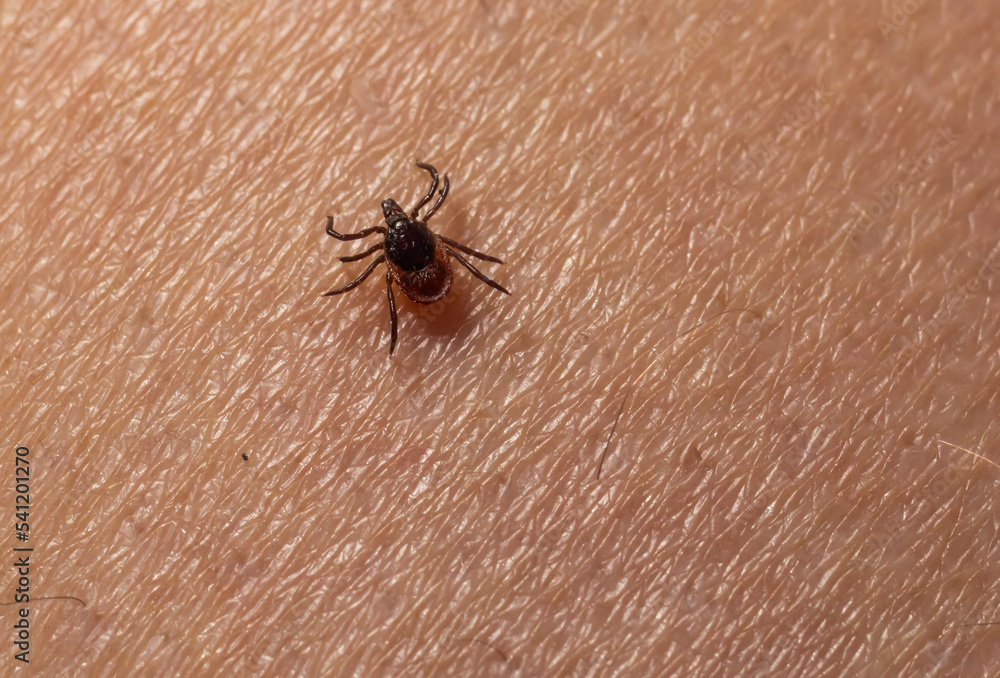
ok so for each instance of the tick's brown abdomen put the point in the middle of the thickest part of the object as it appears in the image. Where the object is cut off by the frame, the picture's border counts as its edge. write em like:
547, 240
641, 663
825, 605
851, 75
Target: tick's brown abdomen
428, 284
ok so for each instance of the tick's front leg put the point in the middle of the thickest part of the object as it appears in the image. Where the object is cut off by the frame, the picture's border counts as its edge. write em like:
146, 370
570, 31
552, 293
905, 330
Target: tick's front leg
439, 201
430, 193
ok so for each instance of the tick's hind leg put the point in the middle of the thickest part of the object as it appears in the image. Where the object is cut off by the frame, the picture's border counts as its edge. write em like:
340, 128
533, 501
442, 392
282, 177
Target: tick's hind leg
439, 202
475, 271
351, 236
430, 194
361, 278
392, 310
469, 250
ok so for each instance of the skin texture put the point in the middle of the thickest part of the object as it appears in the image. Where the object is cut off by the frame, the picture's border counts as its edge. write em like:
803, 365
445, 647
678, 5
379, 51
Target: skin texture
781, 495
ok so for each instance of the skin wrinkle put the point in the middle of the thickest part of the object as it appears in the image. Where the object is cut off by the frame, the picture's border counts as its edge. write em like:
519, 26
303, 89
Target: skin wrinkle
163, 317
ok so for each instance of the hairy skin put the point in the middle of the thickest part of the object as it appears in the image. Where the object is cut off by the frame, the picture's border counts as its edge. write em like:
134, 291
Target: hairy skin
782, 494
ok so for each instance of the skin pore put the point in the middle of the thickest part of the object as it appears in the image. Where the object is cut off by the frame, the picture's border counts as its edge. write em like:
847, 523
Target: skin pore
792, 490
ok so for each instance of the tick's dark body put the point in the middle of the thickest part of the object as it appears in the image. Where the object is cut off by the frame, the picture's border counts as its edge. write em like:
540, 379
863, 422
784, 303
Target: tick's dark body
417, 262
416, 258
409, 244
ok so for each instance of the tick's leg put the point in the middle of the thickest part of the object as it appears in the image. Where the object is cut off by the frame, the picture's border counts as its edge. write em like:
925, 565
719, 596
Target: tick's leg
475, 271
351, 236
359, 257
361, 278
440, 201
469, 250
430, 193
392, 310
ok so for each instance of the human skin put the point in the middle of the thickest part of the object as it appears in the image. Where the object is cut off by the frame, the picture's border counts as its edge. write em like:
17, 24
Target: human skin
779, 490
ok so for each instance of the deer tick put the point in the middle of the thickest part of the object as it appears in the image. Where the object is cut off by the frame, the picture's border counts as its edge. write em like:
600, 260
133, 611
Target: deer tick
416, 257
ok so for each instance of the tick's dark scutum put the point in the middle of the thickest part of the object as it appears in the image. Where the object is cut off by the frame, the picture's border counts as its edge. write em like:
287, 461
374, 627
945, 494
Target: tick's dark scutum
410, 245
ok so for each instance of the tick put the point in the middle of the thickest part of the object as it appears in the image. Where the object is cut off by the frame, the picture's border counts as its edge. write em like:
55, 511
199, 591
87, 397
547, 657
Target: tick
416, 258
